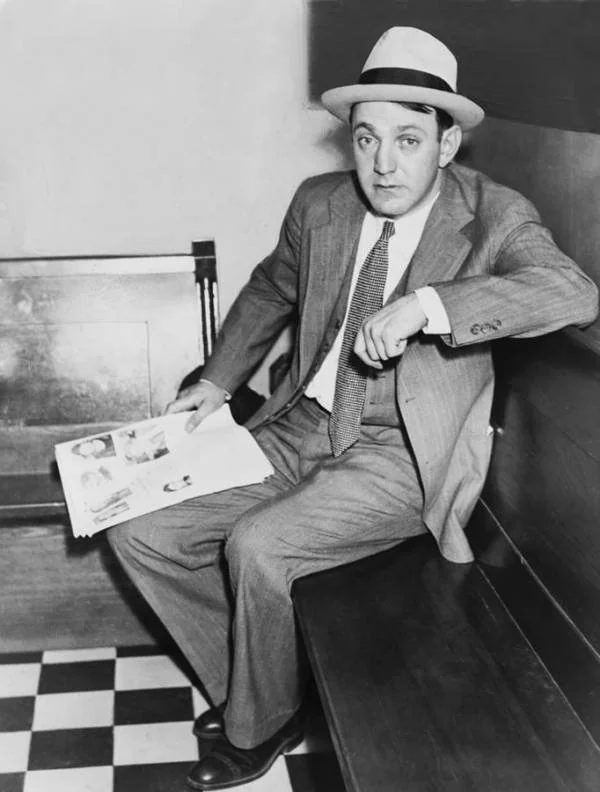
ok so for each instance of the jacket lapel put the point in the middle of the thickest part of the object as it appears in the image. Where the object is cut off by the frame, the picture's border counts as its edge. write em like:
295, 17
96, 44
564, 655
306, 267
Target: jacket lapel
333, 244
444, 244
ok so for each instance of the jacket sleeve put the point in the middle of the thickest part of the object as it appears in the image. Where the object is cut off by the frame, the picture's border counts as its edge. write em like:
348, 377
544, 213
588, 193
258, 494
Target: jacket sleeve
531, 288
261, 310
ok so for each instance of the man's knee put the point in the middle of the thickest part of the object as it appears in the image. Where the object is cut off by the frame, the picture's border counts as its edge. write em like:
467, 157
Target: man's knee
124, 537
253, 542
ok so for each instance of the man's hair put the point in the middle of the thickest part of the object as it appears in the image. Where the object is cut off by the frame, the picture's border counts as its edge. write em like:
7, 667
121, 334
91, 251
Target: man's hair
444, 119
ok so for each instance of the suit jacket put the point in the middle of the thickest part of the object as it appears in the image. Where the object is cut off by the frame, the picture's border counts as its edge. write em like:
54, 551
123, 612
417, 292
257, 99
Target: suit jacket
497, 272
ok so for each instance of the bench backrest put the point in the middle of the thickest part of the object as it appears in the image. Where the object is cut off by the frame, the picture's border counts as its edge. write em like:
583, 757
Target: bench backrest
87, 343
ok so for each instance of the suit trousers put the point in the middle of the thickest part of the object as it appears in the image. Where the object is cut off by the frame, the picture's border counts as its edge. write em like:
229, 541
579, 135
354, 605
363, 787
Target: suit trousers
218, 569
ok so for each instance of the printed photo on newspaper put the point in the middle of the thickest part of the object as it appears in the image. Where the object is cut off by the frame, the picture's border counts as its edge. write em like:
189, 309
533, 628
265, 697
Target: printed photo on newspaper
136, 469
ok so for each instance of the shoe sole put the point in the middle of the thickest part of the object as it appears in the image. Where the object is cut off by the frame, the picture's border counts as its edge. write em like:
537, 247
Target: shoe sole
292, 742
202, 736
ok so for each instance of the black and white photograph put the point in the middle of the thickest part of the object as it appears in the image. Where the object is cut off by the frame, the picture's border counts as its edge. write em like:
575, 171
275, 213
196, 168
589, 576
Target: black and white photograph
300, 395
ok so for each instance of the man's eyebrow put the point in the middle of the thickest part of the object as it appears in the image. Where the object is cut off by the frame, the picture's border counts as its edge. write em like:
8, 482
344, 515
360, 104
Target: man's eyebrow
365, 125
398, 128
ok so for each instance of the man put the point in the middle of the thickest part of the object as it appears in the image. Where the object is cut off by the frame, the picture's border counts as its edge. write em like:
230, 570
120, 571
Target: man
397, 276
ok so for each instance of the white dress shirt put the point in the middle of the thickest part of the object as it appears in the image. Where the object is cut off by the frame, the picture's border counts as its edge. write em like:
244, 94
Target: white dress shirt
401, 247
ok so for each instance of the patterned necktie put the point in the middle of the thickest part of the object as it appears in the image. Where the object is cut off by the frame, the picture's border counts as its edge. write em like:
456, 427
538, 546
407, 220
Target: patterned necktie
351, 381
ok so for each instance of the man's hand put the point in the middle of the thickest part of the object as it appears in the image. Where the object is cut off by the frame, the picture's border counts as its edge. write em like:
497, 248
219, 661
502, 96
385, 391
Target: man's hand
384, 334
204, 398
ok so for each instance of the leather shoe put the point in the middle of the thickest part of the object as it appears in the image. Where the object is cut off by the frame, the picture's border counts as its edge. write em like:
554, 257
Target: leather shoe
227, 766
210, 724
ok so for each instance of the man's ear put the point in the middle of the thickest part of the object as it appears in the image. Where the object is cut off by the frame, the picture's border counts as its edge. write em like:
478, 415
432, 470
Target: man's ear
449, 144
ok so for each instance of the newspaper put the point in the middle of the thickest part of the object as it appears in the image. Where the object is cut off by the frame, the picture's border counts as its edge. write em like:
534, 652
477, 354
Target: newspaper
111, 477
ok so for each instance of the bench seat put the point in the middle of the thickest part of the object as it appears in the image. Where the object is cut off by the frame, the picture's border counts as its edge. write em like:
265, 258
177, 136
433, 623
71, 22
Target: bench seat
428, 684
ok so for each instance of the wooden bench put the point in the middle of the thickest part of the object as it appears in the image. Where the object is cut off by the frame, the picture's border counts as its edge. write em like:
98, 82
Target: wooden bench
86, 343
485, 676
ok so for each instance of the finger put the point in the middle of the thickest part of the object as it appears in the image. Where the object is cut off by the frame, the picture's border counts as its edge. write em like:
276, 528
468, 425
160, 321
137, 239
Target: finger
360, 351
197, 417
378, 340
394, 346
369, 342
180, 404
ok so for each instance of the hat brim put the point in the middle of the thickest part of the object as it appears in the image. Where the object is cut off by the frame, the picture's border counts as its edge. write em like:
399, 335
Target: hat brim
466, 113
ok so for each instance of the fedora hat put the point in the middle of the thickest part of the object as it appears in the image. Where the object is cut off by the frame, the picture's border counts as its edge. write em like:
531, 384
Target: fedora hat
407, 65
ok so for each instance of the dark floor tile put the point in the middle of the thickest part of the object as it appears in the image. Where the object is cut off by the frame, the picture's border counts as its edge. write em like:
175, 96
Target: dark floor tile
151, 778
153, 706
72, 677
12, 782
20, 657
314, 772
64, 748
139, 651
16, 714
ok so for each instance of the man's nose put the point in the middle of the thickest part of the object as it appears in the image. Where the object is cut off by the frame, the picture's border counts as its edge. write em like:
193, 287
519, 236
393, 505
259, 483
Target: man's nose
385, 161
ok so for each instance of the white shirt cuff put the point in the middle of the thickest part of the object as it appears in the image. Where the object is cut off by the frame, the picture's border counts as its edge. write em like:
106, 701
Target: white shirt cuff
433, 308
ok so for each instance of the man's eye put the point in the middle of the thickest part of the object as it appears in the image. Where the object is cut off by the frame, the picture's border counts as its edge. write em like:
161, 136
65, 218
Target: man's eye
365, 140
409, 142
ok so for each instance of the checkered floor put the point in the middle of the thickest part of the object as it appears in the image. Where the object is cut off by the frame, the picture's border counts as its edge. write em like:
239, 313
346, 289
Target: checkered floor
116, 720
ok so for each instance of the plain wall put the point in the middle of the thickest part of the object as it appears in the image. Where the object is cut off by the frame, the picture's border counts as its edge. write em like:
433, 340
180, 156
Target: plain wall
136, 126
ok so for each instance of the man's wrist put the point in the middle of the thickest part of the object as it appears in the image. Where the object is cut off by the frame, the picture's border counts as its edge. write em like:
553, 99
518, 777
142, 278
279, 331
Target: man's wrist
436, 322
227, 394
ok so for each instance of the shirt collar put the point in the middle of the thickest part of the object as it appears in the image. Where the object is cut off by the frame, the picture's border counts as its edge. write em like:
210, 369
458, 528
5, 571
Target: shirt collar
413, 222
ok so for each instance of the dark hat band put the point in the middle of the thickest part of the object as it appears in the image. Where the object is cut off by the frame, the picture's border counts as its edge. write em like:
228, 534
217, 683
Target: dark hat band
414, 77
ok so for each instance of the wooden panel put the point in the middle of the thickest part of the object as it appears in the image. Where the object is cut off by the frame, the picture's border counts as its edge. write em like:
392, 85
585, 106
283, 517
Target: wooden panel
566, 653
428, 685
543, 481
59, 592
83, 349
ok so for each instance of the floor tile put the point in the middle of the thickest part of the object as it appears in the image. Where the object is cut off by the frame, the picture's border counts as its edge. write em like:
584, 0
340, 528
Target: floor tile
151, 743
71, 677
64, 748
276, 780
74, 710
314, 772
153, 706
16, 714
78, 655
20, 657
12, 782
200, 703
78, 779
19, 679
14, 749
139, 673
167, 777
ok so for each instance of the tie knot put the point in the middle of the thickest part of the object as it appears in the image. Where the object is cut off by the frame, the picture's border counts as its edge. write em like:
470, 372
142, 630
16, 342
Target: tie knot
389, 229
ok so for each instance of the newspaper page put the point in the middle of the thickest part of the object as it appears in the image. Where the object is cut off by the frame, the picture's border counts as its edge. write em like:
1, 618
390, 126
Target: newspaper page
136, 469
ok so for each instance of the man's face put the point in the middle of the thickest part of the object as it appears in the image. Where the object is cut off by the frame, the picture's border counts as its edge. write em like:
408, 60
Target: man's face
398, 155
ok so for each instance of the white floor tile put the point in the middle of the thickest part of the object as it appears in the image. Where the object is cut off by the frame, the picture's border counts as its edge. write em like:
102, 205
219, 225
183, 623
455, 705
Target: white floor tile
199, 702
276, 780
149, 743
19, 679
74, 710
301, 749
78, 779
79, 655
155, 671
14, 751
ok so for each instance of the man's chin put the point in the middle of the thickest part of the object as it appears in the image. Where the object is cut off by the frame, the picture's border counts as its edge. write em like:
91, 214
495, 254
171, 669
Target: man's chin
391, 208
